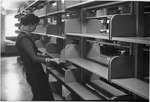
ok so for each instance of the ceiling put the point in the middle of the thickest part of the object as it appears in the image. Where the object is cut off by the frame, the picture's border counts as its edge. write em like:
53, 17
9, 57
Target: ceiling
12, 4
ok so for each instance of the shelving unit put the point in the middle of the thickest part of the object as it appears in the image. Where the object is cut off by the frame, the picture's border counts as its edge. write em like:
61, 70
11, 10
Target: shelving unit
92, 33
90, 29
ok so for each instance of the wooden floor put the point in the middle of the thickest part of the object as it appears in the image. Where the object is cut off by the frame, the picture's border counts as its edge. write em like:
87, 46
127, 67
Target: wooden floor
13, 84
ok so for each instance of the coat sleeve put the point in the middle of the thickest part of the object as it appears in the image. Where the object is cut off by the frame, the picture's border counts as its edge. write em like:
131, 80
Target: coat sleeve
28, 47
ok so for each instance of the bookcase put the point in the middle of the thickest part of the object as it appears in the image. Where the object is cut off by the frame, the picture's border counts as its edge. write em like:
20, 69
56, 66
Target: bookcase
102, 46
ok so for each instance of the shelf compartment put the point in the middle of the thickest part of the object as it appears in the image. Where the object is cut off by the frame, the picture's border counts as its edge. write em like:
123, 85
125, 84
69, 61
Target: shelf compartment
104, 66
134, 85
51, 29
66, 74
73, 85
106, 90
72, 26
90, 66
84, 92
117, 25
115, 64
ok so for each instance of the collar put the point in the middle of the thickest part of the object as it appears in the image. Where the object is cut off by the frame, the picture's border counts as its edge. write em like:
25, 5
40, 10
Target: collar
26, 32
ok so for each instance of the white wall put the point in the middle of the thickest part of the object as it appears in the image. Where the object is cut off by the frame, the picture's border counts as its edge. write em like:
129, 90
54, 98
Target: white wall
2, 22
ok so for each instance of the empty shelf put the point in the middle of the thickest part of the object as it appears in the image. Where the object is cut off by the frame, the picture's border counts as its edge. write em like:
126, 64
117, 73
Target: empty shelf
90, 66
134, 85
84, 92
101, 60
106, 90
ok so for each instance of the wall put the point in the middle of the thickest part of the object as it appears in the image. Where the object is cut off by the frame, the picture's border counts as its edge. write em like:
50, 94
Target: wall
2, 22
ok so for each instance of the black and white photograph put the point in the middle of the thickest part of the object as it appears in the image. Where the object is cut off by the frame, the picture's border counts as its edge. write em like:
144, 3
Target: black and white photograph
75, 50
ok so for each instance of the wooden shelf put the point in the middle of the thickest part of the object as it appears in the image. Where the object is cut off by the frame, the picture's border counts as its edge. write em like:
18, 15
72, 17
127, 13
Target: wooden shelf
98, 35
134, 85
90, 66
84, 92
138, 40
